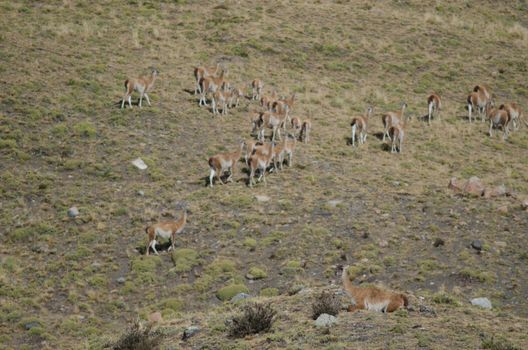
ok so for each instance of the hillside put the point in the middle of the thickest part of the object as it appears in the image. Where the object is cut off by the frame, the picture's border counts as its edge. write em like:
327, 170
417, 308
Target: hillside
65, 142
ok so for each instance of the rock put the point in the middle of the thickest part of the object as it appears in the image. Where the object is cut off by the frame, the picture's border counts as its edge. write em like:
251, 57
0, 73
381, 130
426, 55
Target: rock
482, 302
40, 248
503, 209
383, 244
262, 198
139, 163
325, 320
240, 296
121, 280
495, 192
365, 235
477, 245
455, 185
32, 324
334, 203
295, 289
73, 212
141, 193
474, 186
155, 317
438, 242
189, 332
524, 204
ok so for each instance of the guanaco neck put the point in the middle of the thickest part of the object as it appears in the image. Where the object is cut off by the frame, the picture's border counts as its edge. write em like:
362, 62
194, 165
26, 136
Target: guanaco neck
347, 283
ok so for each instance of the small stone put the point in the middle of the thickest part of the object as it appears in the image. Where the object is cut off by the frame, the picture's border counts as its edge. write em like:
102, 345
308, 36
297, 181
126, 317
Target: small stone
477, 245
240, 296
189, 332
383, 243
155, 317
482, 302
141, 193
121, 280
73, 212
325, 320
139, 163
495, 192
503, 209
262, 198
31, 325
334, 203
524, 204
438, 242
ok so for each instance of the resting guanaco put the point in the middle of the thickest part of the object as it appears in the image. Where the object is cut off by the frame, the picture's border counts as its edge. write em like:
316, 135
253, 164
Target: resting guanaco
360, 123
223, 162
392, 119
143, 84
434, 104
167, 229
372, 298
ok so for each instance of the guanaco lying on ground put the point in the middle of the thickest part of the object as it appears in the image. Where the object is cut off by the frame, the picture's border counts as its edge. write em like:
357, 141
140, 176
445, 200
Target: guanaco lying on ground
372, 298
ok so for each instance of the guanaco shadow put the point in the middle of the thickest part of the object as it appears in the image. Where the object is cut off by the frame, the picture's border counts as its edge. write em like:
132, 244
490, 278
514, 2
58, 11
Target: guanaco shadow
163, 247
378, 135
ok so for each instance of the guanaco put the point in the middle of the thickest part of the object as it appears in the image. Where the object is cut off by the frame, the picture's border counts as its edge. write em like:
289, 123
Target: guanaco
167, 229
515, 113
360, 123
391, 119
210, 84
223, 162
296, 125
499, 119
267, 101
305, 131
256, 85
372, 298
434, 104
478, 100
143, 84
260, 160
202, 72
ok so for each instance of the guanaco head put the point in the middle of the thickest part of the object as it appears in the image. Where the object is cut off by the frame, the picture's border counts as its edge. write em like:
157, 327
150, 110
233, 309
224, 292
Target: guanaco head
154, 72
369, 111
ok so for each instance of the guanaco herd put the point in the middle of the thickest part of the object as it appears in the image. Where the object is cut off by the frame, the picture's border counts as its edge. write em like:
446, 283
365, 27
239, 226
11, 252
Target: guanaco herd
261, 155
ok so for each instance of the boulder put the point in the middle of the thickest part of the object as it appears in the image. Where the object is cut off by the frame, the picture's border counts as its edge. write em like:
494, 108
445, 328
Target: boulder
482, 302
474, 186
495, 192
189, 332
325, 320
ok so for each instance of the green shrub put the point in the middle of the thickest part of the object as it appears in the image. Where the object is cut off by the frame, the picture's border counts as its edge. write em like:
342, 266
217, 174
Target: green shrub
228, 292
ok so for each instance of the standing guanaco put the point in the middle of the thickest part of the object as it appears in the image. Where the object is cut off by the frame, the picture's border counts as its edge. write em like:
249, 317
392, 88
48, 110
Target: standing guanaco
392, 118
360, 123
223, 162
434, 104
166, 229
143, 84
202, 72
256, 85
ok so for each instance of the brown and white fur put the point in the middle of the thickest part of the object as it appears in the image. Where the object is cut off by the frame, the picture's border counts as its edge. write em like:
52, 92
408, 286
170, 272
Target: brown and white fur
396, 134
210, 84
372, 298
392, 119
250, 146
267, 101
360, 124
478, 100
515, 113
143, 84
306, 128
434, 104
236, 94
223, 162
260, 160
167, 229
269, 120
499, 119
220, 98
296, 125
203, 72
256, 86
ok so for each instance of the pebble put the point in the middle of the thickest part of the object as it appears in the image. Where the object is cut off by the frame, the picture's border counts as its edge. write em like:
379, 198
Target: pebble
31, 325
240, 296
121, 280
262, 198
139, 163
73, 212
477, 245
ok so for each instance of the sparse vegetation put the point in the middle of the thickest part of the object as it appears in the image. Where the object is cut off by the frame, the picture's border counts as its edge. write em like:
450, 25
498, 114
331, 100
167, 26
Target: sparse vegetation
139, 337
255, 318
326, 303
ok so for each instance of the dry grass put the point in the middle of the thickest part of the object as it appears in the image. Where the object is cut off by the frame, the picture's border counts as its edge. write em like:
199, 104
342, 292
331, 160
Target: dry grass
64, 142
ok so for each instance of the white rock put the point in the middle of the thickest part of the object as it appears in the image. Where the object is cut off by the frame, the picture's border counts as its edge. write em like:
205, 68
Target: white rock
73, 212
334, 203
325, 320
262, 198
139, 163
482, 302
240, 296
